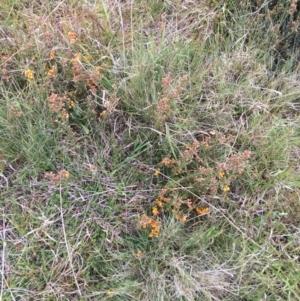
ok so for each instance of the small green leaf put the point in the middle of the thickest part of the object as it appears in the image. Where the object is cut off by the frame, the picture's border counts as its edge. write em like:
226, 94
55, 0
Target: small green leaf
85, 129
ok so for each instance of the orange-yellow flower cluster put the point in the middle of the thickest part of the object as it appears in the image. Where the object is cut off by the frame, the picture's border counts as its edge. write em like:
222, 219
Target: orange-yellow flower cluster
181, 217
159, 203
51, 73
155, 225
72, 37
57, 178
29, 74
156, 173
202, 211
155, 211
102, 113
221, 174
155, 228
167, 161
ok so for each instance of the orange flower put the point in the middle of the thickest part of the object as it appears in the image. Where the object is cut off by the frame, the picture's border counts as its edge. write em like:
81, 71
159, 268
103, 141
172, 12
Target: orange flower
102, 113
71, 37
51, 73
154, 232
159, 202
181, 217
155, 225
202, 211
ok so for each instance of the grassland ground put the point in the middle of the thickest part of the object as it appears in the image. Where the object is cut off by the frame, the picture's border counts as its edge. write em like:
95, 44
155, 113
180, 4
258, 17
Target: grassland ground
149, 150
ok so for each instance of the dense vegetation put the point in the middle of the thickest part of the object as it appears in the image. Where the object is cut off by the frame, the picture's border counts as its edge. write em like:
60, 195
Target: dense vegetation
149, 150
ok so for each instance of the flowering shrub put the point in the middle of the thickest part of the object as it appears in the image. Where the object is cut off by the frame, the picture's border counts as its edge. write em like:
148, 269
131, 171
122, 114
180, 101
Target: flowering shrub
192, 182
73, 76
171, 93
87, 95
56, 178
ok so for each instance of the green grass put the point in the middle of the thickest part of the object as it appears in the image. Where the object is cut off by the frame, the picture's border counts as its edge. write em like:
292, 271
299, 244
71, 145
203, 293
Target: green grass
189, 110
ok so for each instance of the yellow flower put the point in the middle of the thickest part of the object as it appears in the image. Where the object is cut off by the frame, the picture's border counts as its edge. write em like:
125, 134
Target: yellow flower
71, 104
109, 292
155, 211
221, 174
66, 174
52, 54
226, 188
156, 173
139, 253
88, 58
29, 74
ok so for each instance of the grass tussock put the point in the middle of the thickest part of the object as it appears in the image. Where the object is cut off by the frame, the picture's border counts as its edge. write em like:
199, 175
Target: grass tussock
149, 150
